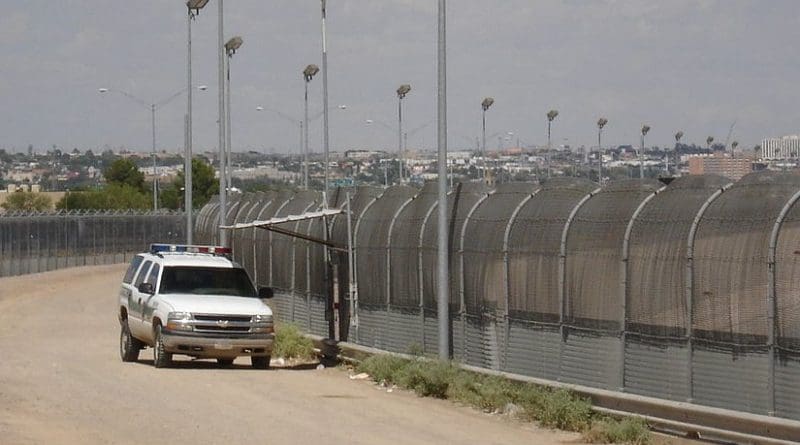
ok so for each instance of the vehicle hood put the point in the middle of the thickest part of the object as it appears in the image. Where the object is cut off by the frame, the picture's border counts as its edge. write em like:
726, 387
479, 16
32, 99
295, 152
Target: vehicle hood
215, 304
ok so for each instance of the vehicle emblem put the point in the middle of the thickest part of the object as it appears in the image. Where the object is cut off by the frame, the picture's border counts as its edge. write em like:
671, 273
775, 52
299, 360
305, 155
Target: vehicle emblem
222, 323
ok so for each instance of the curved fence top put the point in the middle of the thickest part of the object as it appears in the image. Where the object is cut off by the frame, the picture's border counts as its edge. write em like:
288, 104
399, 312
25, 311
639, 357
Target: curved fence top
657, 256
459, 201
594, 254
360, 197
405, 248
535, 248
372, 239
731, 255
483, 256
286, 250
787, 275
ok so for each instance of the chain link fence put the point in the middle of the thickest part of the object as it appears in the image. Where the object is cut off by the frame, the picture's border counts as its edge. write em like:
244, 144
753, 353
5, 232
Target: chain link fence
684, 292
39, 242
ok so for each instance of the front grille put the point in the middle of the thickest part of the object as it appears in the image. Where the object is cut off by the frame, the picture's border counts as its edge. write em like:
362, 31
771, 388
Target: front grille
222, 323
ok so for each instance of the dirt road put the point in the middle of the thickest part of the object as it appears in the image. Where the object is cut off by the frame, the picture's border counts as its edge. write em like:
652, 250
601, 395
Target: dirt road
62, 382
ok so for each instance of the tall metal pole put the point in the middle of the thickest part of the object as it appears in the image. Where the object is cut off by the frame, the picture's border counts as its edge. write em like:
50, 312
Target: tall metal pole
400, 135
600, 154
641, 159
187, 155
443, 294
548, 147
228, 149
305, 143
223, 201
155, 170
325, 100
483, 147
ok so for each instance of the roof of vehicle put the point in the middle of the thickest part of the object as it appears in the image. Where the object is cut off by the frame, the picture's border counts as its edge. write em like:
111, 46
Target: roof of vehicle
167, 259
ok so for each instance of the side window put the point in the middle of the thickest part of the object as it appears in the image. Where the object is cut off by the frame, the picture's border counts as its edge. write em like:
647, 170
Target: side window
142, 273
153, 277
137, 260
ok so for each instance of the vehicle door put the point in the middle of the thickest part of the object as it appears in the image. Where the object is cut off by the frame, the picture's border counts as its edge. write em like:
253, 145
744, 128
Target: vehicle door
126, 289
150, 302
137, 299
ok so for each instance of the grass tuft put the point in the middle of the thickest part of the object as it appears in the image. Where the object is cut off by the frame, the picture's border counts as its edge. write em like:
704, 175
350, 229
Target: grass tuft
561, 409
290, 343
629, 430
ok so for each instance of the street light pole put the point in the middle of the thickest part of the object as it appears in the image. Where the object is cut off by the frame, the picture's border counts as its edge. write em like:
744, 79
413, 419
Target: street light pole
223, 199
193, 7
155, 171
231, 46
325, 102
401, 94
443, 281
550, 116
600, 124
308, 73
487, 102
645, 129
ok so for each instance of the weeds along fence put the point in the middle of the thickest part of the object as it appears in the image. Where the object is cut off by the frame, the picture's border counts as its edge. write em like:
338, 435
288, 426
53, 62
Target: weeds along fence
39, 242
686, 292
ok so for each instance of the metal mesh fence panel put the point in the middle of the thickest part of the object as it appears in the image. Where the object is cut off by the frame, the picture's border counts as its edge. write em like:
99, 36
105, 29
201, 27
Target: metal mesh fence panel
404, 249
657, 256
787, 277
372, 237
31, 243
460, 201
286, 249
263, 239
484, 283
731, 259
246, 204
535, 250
594, 255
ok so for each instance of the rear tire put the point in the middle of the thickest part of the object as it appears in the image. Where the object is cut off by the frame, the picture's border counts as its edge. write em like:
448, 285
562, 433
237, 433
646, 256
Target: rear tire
225, 362
129, 346
260, 362
161, 358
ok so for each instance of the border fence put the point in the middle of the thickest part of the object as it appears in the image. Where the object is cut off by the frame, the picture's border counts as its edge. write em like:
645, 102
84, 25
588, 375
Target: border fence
685, 292
39, 242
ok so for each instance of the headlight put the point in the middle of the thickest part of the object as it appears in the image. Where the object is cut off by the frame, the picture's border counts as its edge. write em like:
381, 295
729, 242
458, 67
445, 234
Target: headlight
179, 321
262, 324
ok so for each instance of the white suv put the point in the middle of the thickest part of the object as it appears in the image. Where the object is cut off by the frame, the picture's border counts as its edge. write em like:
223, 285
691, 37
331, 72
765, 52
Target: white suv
193, 300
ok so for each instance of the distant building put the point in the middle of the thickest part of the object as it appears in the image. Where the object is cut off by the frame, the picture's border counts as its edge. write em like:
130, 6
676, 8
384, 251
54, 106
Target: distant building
719, 164
781, 148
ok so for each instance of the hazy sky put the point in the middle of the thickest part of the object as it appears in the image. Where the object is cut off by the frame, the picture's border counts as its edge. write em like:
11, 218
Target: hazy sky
691, 65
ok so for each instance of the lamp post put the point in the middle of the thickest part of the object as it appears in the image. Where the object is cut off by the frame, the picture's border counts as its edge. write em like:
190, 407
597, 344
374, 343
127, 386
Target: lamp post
152, 107
231, 46
308, 73
552, 114
645, 129
193, 7
223, 188
326, 139
600, 124
487, 102
401, 94
443, 279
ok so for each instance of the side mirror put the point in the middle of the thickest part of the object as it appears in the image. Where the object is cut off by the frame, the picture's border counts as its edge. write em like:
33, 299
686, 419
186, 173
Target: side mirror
265, 293
147, 288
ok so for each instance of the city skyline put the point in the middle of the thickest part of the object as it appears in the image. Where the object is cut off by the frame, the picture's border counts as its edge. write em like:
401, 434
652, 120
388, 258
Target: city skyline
685, 65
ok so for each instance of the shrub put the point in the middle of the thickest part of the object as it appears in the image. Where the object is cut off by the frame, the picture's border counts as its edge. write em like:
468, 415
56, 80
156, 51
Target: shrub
383, 368
291, 343
427, 379
631, 430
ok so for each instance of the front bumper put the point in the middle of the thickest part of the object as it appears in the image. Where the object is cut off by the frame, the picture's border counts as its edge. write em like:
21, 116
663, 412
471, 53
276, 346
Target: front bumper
213, 346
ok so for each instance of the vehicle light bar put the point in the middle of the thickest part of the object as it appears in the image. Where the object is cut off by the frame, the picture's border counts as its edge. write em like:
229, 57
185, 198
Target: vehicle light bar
182, 248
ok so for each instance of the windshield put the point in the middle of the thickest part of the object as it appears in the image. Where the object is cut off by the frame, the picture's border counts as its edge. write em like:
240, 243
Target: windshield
206, 281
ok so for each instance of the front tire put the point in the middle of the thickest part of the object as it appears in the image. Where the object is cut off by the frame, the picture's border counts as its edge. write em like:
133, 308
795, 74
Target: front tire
129, 346
161, 358
260, 362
